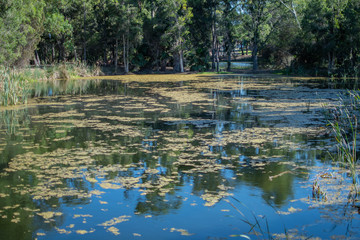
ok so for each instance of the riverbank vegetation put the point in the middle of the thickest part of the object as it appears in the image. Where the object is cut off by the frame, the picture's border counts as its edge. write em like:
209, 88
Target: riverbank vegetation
318, 37
14, 88
345, 125
16, 85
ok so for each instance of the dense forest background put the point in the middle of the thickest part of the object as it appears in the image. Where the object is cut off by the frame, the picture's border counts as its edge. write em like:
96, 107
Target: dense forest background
299, 35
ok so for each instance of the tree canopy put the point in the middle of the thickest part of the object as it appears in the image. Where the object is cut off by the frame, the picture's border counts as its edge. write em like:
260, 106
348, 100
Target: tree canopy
297, 34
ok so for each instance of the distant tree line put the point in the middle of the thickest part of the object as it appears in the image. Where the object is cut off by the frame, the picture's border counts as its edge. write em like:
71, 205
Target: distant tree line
153, 34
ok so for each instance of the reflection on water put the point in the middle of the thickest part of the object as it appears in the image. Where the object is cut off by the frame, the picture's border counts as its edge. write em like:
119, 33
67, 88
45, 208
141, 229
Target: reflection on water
74, 87
166, 156
236, 65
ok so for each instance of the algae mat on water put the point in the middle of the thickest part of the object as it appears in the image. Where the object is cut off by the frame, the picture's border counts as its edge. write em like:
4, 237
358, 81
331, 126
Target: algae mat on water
173, 156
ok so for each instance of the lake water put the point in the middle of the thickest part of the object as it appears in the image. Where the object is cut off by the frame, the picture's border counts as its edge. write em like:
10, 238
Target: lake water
174, 157
236, 65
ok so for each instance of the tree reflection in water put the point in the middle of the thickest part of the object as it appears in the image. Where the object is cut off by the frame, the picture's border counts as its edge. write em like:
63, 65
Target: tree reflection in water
155, 148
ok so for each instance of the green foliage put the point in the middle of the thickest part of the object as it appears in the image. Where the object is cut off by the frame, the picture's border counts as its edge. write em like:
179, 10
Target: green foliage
16, 85
20, 30
322, 35
329, 37
199, 41
278, 50
263, 18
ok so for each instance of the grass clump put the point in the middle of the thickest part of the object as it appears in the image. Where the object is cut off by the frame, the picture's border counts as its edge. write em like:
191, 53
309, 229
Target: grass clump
344, 124
14, 87
67, 71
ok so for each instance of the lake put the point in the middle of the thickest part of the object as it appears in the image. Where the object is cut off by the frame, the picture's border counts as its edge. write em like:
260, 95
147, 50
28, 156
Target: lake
236, 65
174, 157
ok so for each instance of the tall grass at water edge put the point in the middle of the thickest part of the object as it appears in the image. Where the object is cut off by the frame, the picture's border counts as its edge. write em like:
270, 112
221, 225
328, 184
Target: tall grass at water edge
70, 70
14, 87
16, 84
344, 124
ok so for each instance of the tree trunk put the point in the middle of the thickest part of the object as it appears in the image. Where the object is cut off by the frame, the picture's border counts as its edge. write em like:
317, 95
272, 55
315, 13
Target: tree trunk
176, 62
116, 55
105, 57
181, 57
53, 53
242, 49
331, 56
354, 59
62, 49
181, 61
158, 59
213, 59
125, 55
217, 58
36, 59
59, 53
214, 39
255, 57
163, 65
178, 57
229, 60
84, 47
75, 54
84, 40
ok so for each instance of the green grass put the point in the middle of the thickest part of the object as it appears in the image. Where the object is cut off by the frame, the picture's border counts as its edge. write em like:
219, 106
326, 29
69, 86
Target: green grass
17, 84
70, 70
344, 124
14, 87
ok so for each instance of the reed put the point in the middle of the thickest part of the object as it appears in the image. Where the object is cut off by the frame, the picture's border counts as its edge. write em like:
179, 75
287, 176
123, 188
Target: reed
14, 87
259, 226
344, 124
67, 71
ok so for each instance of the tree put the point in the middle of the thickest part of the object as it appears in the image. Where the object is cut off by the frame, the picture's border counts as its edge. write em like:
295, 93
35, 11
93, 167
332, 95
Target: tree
214, 34
154, 51
180, 14
278, 50
200, 29
262, 20
230, 17
350, 38
58, 32
122, 21
20, 30
321, 32
292, 5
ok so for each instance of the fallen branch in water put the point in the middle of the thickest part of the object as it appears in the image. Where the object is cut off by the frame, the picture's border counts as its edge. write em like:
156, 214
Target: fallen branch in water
279, 175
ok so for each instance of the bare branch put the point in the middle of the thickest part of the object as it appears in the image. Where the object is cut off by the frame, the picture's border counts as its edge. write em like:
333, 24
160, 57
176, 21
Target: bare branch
293, 11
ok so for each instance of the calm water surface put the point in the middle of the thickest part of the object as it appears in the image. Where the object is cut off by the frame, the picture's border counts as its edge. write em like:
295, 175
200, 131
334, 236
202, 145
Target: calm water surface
236, 65
192, 158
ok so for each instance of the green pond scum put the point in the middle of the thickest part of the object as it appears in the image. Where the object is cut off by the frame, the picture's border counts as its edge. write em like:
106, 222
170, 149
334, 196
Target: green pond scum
174, 157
